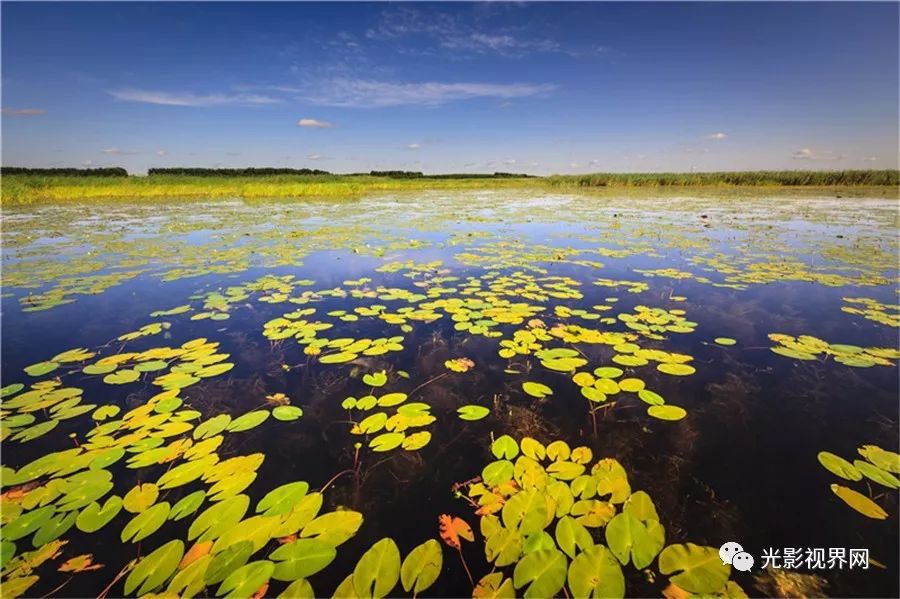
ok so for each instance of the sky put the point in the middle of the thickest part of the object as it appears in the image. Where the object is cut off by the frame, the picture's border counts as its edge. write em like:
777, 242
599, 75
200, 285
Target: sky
451, 87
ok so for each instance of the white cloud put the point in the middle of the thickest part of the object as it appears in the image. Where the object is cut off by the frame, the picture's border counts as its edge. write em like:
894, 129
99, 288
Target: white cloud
314, 123
24, 111
717, 136
413, 146
162, 152
870, 158
360, 93
463, 32
190, 98
117, 152
87, 163
316, 157
810, 154
509, 161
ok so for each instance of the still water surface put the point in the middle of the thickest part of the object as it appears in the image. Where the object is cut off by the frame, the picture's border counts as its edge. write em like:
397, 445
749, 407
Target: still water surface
408, 283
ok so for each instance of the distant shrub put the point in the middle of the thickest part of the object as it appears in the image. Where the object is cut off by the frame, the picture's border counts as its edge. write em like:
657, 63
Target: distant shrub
397, 174
65, 172
235, 172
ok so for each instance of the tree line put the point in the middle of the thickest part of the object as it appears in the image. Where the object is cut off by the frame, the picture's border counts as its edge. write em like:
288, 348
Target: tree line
65, 172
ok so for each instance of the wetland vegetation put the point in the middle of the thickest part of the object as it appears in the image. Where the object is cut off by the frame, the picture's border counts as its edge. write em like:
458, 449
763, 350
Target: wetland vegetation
493, 391
32, 186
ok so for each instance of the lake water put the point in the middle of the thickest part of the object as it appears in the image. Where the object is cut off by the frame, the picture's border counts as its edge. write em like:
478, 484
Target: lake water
506, 301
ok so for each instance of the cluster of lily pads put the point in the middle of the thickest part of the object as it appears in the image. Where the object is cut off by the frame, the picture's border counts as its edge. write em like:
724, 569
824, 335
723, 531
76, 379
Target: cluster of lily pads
556, 522
871, 309
807, 347
406, 416
879, 466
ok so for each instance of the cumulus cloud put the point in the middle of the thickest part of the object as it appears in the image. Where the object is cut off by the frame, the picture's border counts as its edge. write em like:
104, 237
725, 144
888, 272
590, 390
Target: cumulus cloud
24, 111
413, 146
314, 123
717, 135
162, 152
811, 154
190, 98
361, 93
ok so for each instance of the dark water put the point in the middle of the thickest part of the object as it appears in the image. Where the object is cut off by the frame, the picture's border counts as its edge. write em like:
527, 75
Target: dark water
740, 466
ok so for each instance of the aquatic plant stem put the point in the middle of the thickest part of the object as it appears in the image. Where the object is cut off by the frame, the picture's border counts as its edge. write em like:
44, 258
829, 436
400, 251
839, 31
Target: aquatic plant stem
428, 382
118, 577
466, 566
59, 588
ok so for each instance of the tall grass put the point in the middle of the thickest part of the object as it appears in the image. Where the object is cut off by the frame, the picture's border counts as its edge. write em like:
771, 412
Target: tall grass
752, 178
32, 189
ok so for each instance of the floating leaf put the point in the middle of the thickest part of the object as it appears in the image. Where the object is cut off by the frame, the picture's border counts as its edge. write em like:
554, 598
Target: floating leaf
302, 558
676, 369
838, 466
886, 460
141, 497
79, 563
334, 527
876, 474
726, 341
187, 505
282, 500
694, 568
146, 523
859, 502
421, 567
472, 412
505, 447
92, 518
11, 389
544, 572
651, 397
244, 581
452, 528
387, 441
287, 413
595, 573
122, 377
416, 441
667, 412
248, 421
153, 570
629, 539
218, 518
301, 589
378, 570
538, 390
212, 427
375, 379
572, 536
494, 586
41, 368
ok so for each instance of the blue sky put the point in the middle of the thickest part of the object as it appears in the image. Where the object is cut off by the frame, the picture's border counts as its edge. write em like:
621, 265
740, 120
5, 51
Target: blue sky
538, 88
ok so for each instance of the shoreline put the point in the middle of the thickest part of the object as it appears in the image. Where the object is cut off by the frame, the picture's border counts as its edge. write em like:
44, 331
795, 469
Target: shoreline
25, 190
